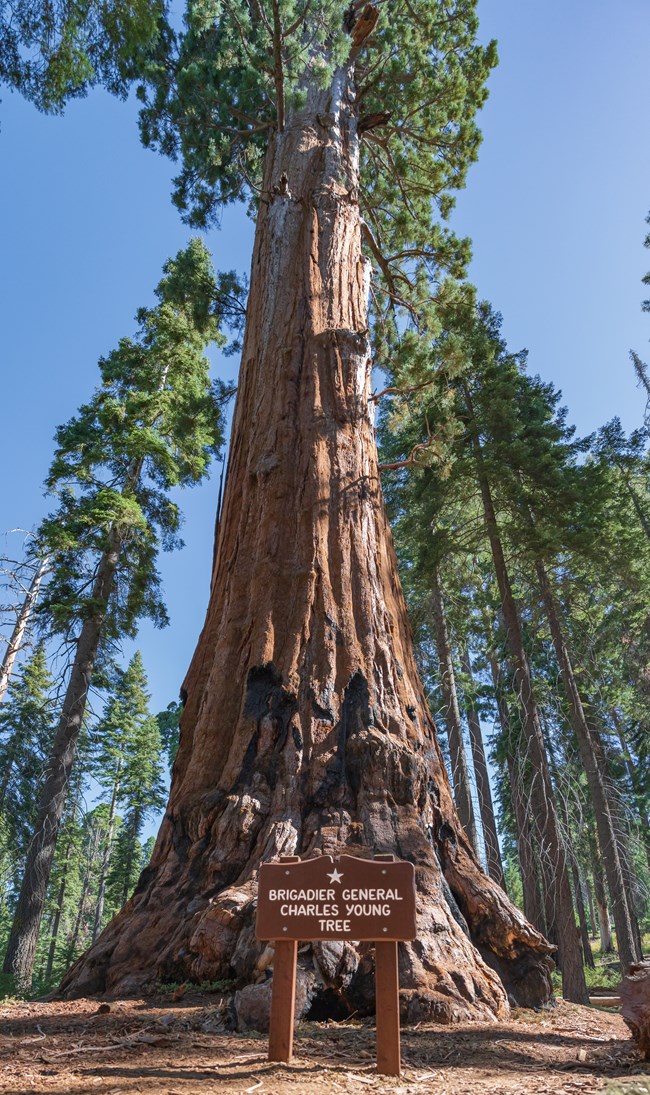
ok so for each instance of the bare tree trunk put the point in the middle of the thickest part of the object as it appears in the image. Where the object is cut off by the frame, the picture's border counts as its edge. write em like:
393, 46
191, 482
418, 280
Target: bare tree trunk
486, 806
557, 887
459, 767
23, 939
528, 861
590, 749
630, 880
93, 844
74, 937
306, 728
18, 632
577, 890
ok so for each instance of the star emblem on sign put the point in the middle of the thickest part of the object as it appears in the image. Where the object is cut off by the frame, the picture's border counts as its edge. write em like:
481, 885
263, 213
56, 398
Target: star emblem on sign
335, 875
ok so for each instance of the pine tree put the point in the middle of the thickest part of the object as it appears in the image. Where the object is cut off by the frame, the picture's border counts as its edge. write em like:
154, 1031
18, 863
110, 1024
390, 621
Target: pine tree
554, 506
152, 425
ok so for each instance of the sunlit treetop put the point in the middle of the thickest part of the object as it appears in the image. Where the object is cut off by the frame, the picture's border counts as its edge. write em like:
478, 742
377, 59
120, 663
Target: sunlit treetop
241, 71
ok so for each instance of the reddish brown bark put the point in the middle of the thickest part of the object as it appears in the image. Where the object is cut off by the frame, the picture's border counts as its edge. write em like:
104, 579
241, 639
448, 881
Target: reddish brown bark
635, 998
306, 729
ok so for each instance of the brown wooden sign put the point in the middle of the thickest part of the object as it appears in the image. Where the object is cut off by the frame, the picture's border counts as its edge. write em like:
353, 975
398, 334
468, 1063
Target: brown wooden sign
344, 898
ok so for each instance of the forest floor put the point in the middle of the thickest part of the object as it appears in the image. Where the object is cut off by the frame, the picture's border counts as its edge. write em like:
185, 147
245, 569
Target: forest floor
160, 1047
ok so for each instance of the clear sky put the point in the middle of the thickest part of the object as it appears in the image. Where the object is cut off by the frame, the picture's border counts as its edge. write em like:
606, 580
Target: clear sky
555, 207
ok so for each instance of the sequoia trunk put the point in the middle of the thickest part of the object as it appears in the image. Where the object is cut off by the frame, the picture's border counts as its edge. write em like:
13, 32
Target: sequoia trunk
305, 728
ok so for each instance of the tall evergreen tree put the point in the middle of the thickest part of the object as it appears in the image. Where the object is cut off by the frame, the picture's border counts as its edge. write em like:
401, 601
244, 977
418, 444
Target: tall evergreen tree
152, 425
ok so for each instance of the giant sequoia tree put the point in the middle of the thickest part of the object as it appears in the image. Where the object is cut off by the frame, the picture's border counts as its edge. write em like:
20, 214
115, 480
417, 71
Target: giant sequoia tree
305, 728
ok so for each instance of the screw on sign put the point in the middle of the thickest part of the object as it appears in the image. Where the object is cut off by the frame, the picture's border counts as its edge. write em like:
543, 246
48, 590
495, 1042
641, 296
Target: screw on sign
347, 898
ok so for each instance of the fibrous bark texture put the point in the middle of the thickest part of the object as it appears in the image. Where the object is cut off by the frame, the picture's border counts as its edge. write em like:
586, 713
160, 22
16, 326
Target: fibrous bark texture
635, 998
305, 728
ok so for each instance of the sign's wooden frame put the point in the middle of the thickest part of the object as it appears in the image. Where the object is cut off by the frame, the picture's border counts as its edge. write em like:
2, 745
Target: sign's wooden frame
283, 997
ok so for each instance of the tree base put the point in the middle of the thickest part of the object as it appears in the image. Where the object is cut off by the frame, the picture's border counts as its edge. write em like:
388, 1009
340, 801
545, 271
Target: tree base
192, 916
474, 956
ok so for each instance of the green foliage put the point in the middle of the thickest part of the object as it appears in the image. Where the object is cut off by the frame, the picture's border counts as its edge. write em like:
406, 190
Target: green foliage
462, 404
128, 765
26, 720
51, 53
241, 72
152, 425
169, 729
122, 755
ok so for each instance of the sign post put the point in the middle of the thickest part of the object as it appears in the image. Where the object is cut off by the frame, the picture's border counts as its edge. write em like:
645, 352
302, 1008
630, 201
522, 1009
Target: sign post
347, 898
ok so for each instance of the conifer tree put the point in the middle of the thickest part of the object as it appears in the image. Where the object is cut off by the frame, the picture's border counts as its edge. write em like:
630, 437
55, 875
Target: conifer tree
441, 372
346, 128
152, 425
554, 507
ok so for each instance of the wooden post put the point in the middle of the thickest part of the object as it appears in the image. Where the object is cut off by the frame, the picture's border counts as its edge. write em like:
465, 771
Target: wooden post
283, 1000
387, 1004
287, 925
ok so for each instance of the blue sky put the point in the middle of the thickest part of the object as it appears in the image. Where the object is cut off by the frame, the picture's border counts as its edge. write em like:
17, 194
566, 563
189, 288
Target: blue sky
555, 207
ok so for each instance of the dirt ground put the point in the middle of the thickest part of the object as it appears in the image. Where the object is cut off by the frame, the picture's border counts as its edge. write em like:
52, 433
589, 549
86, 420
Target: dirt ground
160, 1047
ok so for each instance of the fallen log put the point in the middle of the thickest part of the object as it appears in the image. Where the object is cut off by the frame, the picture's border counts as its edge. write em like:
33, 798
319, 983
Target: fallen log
635, 997
598, 1001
